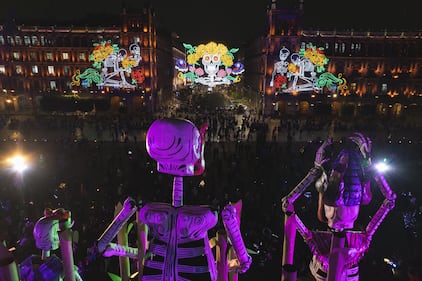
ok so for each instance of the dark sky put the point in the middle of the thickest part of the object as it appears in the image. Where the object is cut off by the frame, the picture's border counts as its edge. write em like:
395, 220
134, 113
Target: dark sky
228, 21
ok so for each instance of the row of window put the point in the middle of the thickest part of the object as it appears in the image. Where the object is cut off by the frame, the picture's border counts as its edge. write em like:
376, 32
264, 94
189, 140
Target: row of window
26, 40
41, 40
48, 56
35, 69
372, 49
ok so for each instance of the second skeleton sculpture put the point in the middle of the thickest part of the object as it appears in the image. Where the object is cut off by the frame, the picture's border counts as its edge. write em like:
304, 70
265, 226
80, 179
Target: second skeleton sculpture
343, 184
179, 248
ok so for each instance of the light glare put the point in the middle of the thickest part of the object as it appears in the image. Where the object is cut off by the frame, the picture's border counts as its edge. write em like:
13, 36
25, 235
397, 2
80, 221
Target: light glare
18, 163
382, 166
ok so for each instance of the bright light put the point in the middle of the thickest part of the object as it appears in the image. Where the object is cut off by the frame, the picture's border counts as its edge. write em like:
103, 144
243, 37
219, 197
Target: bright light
18, 163
382, 166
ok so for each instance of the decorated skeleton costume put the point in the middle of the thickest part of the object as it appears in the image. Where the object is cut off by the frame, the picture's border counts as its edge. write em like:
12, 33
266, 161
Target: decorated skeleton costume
51, 232
343, 185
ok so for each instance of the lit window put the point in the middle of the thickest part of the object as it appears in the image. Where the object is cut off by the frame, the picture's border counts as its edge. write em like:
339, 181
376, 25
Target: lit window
19, 69
343, 47
18, 40
82, 57
16, 55
10, 40
1, 40
35, 69
384, 88
2, 69
357, 47
53, 85
136, 39
49, 56
33, 55
65, 56
42, 40
35, 41
27, 40
50, 69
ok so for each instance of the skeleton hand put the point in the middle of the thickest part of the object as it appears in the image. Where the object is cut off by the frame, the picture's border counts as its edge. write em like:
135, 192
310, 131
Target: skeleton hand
286, 205
322, 183
320, 157
239, 267
364, 144
62, 215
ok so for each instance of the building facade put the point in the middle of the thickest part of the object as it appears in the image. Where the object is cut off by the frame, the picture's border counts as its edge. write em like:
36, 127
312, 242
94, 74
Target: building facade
37, 61
382, 68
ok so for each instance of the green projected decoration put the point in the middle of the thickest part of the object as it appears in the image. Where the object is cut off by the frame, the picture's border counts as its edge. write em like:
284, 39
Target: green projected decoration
112, 67
210, 64
304, 71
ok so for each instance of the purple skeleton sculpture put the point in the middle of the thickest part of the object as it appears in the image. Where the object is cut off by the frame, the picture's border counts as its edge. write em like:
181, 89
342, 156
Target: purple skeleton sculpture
343, 184
179, 248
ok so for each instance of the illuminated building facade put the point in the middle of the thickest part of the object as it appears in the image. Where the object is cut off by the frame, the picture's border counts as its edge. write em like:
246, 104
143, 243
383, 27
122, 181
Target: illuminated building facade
382, 68
41, 60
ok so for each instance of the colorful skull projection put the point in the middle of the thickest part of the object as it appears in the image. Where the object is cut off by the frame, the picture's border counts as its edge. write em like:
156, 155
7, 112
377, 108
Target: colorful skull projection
210, 65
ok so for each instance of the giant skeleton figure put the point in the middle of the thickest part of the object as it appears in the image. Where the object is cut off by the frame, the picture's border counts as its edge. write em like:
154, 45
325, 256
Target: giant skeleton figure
343, 185
179, 249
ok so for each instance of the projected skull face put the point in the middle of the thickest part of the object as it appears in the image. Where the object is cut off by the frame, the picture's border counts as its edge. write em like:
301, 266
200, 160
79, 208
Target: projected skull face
211, 63
284, 54
46, 234
177, 147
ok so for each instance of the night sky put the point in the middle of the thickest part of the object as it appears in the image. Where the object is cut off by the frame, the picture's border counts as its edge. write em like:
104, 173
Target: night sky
232, 22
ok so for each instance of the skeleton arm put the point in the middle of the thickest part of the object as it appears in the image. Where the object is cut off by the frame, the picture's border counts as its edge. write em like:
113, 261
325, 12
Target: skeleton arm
386, 207
276, 67
231, 225
129, 208
288, 200
304, 232
313, 174
114, 249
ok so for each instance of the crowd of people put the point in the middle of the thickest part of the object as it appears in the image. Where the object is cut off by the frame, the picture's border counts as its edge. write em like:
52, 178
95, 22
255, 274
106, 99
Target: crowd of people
88, 165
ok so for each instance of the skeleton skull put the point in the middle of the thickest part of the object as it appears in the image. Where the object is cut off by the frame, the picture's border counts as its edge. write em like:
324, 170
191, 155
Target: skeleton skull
177, 146
211, 64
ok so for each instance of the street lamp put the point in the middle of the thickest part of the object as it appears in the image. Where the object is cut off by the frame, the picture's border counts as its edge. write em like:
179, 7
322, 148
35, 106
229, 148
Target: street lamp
18, 163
